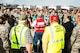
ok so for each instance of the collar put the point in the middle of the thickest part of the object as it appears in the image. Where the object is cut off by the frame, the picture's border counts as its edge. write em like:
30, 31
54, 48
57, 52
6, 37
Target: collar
54, 24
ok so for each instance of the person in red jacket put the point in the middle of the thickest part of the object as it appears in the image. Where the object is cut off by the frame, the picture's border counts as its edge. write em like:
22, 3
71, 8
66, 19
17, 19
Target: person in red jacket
39, 25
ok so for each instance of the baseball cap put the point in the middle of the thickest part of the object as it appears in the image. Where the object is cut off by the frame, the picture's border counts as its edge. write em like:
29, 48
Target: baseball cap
23, 17
54, 18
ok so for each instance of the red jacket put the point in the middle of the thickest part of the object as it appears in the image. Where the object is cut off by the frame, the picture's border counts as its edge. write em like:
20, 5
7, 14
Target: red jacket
40, 25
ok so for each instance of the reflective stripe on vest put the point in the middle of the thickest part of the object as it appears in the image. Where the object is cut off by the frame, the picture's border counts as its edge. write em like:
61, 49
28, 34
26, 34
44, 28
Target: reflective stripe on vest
52, 38
21, 36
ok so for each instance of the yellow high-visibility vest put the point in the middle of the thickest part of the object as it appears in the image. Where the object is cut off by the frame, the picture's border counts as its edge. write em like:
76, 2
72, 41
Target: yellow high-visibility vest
55, 38
20, 33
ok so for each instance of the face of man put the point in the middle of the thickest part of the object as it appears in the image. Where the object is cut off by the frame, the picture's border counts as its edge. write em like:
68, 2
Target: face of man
77, 19
0, 20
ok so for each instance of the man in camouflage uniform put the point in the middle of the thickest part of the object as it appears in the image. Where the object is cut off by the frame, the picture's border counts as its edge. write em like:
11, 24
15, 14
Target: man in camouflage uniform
75, 37
4, 35
60, 14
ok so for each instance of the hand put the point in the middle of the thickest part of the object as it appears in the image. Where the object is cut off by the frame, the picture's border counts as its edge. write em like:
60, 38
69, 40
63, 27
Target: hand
29, 19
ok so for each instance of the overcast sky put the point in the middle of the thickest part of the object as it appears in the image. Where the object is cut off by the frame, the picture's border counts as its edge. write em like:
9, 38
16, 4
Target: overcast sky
43, 2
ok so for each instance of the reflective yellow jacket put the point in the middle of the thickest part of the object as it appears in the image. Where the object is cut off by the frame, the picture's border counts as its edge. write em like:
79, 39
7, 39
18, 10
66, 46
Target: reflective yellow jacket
20, 31
54, 38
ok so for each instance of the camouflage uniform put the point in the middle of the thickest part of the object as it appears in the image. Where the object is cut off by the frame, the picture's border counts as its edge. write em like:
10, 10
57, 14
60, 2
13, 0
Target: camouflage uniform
4, 37
75, 39
65, 16
60, 18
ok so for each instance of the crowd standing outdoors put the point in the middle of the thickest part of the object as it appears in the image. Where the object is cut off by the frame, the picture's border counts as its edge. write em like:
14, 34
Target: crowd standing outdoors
55, 31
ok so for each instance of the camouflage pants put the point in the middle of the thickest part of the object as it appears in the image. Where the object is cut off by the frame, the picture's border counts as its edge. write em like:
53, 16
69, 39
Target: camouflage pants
3, 48
6, 45
75, 49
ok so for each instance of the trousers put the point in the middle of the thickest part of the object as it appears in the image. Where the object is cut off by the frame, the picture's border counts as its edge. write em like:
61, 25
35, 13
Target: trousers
37, 36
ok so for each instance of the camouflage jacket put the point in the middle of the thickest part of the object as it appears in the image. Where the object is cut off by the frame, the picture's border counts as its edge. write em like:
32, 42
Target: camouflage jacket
75, 37
4, 36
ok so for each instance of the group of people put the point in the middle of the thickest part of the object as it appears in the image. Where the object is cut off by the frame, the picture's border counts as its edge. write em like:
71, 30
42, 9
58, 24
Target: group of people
55, 31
